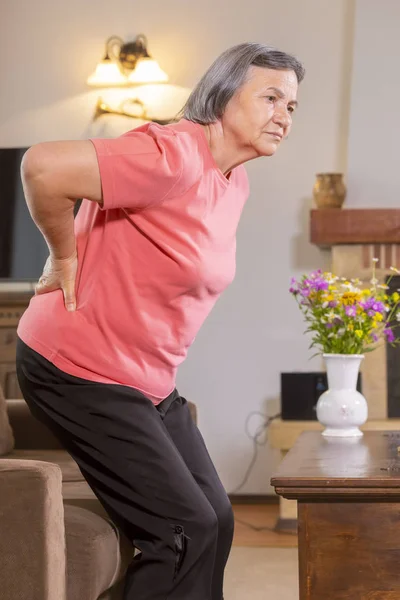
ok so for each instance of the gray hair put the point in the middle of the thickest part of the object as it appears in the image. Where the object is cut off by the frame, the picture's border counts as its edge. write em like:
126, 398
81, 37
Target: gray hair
207, 102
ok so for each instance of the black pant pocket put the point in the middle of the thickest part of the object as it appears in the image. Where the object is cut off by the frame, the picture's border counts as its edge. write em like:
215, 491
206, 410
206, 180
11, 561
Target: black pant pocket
180, 540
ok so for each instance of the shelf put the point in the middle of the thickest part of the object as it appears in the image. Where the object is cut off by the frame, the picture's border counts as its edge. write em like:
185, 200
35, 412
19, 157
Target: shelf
335, 226
283, 434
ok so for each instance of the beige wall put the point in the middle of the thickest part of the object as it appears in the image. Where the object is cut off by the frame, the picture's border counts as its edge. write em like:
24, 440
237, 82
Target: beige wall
255, 330
373, 168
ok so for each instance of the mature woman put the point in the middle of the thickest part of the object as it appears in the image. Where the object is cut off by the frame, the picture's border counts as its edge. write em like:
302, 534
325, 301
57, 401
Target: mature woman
123, 294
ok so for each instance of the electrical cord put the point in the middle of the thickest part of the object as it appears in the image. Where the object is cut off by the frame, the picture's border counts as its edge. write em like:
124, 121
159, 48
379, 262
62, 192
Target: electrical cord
263, 428
254, 438
264, 528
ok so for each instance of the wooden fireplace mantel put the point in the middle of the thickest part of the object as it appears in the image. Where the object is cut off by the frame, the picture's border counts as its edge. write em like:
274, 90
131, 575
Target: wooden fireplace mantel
334, 226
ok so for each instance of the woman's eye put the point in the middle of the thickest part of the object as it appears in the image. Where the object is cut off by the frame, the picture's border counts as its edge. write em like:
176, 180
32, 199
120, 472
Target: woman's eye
291, 109
271, 98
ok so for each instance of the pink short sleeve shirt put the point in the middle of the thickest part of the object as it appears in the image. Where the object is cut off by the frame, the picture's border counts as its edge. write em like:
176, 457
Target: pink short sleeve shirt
153, 260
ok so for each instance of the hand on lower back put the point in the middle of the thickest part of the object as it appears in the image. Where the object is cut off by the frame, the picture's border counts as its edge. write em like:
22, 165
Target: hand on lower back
60, 274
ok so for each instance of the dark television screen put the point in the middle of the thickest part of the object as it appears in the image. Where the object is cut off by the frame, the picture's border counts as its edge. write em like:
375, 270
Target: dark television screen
23, 250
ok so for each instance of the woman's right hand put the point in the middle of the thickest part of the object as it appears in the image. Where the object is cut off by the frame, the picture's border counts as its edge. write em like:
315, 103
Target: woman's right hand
60, 274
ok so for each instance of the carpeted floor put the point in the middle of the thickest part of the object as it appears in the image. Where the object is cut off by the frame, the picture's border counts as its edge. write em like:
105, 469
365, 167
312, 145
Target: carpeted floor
262, 574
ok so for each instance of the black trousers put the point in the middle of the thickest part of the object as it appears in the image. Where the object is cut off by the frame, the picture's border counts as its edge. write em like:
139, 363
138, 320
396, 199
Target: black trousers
149, 467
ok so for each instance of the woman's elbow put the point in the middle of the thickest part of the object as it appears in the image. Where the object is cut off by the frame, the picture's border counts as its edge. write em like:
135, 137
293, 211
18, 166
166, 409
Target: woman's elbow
34, 163
67, 169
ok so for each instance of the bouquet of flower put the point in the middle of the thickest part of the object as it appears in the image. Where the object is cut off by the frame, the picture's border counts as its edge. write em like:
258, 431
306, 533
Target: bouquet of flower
344, 317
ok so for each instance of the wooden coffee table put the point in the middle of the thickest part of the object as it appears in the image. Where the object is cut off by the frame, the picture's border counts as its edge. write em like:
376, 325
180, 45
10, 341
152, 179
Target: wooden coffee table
348, 499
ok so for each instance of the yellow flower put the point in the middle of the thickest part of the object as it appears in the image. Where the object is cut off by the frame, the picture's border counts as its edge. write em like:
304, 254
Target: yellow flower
395, 297
350, 326
359, 333
332, 288
365, 293
349, 298
374, 324
378, 317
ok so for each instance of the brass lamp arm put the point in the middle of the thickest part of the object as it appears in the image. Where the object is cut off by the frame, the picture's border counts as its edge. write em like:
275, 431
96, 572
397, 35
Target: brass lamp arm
103, 108
112, 43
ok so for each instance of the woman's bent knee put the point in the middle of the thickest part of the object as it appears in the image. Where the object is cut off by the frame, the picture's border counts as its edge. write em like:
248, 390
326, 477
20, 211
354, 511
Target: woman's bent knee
225, 516
207, 521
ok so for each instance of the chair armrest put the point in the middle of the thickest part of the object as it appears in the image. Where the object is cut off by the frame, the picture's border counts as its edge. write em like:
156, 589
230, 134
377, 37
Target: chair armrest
29, 433
32, 540
193, 410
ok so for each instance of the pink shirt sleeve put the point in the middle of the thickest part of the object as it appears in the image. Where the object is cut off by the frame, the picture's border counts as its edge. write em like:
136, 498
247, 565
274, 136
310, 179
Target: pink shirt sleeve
142, 167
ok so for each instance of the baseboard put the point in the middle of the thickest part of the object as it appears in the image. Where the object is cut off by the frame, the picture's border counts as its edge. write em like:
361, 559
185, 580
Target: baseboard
254, 499
286, 525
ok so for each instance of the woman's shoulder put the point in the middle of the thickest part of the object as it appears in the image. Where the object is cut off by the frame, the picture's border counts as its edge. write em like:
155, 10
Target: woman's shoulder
183, 134
179, 139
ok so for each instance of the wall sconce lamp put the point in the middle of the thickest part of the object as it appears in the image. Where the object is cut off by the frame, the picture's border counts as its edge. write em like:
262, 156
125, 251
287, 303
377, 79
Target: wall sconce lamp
126, 64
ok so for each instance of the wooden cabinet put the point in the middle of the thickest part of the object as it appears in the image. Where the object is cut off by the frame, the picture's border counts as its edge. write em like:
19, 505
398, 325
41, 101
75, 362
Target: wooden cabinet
348, 499
12, 307
283, 435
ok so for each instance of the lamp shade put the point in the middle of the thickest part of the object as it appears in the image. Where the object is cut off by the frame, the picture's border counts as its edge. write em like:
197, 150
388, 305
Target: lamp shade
107, 73
147, 70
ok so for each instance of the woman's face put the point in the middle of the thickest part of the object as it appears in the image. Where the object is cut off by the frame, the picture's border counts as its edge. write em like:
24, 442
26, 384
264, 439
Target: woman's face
260, 114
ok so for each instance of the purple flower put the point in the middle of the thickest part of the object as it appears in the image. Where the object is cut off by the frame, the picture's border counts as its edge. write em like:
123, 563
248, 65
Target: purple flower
389, 335
332, 304
305, 292
315, 283
329, 325
309, 285
320, 284
367, 304
375, 337
378, 307
351, 311
372, 305
294, 289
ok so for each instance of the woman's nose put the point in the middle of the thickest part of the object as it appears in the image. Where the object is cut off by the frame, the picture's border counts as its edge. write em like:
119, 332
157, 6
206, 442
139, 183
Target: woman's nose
282, 117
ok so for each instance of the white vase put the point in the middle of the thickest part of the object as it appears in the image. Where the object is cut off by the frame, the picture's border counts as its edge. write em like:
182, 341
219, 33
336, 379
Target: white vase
342, 409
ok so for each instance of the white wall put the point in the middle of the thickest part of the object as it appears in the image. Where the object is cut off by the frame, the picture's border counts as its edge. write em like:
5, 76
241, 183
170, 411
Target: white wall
374, 174
255, 330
